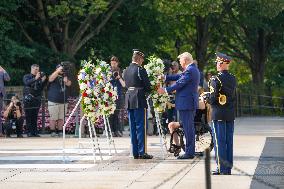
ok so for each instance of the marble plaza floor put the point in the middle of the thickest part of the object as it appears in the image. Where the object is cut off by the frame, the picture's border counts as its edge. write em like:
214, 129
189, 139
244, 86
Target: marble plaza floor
38, 162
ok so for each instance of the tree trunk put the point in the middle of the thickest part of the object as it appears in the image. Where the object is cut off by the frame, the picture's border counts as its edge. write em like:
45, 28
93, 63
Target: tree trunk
259, 56
41, 15
257, 76
80, 37
202, 38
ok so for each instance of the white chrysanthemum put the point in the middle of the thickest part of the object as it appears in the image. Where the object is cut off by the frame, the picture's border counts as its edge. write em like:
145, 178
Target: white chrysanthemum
155, 69
89, 91
87, 100
95, 93
114, 94
80, 76
98, 70
155, 96
91, 107
108, 85
83, 86
101, 82
106, 96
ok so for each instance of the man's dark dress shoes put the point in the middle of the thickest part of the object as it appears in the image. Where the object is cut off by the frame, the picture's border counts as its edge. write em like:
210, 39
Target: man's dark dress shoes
185, 156
144, 156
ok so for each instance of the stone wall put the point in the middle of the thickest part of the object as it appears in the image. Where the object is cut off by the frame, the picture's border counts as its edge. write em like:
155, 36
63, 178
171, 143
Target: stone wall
18, 90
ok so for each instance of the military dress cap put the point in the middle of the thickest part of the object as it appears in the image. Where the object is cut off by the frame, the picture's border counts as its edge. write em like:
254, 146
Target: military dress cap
138, 52
222, 58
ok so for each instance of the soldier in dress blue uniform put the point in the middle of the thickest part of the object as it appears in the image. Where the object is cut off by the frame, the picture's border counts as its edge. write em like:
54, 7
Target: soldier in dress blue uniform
222, 99
186, 101
138, 85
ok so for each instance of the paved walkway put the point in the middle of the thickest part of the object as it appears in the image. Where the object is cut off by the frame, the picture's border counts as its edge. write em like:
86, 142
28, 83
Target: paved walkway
37, 163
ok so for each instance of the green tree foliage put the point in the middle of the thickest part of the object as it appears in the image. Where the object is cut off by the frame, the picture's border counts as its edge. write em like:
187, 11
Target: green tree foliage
48, 31
251, 31
62, 25
274, 74
196, 23
128, 29
11, 49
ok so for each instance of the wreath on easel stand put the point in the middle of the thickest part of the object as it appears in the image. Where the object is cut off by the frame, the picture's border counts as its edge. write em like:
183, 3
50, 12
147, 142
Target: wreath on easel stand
98, 97
155, 71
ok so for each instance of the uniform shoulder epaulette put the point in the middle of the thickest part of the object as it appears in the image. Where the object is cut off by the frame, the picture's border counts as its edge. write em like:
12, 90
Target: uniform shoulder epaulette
213, 78
216, 79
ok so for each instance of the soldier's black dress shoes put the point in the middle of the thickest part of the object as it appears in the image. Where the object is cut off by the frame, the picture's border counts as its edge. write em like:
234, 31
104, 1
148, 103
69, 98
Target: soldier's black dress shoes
144, 156
185, 156
200, 154
218, 173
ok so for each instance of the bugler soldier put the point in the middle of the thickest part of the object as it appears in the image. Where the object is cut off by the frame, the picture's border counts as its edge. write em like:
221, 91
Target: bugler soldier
222, 99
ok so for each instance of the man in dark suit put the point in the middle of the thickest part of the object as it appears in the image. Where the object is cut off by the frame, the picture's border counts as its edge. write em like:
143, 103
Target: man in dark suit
137, 84
186, 88
222, 99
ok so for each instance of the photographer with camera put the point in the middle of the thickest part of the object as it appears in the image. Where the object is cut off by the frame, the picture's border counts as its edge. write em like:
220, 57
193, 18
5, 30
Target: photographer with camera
33, 87
14, 117
118, 83
4, 76
57, 98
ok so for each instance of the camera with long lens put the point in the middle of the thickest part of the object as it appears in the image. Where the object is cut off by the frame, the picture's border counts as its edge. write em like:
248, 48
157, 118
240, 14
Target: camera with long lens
65, 68
37, 83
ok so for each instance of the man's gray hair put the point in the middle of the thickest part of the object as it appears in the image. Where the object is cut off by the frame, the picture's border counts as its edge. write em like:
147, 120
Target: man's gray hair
187, 56
34, 65
174, 63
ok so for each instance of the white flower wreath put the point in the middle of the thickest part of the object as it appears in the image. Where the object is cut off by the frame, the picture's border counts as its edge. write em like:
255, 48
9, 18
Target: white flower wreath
106, 94
155, 69
98, 95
